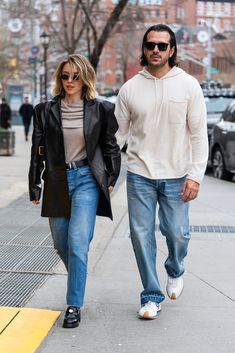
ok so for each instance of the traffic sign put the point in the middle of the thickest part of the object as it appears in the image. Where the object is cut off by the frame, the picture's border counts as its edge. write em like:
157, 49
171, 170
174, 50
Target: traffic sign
202, 36
33, 60
214, 71
34, 49
15, 25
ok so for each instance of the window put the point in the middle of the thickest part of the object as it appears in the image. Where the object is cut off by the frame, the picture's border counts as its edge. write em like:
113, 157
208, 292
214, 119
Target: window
227, 9
229, 114
200, 8
180, 12
227, 25
210, 9
218, 9
146, 2
233, 118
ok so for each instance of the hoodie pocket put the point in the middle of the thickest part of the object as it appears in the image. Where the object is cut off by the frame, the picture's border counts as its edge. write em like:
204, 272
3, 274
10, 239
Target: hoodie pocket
177, 111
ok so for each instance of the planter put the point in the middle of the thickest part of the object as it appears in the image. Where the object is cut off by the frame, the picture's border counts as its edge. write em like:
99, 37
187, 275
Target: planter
7, 142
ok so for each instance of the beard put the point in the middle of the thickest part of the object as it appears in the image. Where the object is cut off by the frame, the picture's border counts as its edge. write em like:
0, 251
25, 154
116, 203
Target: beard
159, 64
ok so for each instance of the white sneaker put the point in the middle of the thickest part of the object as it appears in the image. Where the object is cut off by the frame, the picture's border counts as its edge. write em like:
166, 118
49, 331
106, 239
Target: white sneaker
149, 310
174, 287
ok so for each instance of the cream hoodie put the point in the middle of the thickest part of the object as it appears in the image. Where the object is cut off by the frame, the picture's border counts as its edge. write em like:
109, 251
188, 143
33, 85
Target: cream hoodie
165, 123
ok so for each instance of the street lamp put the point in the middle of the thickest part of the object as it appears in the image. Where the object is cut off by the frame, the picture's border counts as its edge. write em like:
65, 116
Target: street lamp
44, 38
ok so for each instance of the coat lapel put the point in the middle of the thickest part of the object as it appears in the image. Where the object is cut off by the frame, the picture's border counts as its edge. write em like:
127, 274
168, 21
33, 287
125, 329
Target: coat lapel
55, 109
89, 116
89, 111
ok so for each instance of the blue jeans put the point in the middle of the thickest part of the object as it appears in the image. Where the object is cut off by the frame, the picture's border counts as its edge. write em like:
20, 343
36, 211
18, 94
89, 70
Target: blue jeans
143, 196
73, 235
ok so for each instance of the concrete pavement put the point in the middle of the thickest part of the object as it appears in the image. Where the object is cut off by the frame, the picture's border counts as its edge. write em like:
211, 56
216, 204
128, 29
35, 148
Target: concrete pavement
202, 320
14, 169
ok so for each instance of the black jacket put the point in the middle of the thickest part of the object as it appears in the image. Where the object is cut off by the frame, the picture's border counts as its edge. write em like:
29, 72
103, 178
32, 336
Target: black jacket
26, 111
5, 116
103, 155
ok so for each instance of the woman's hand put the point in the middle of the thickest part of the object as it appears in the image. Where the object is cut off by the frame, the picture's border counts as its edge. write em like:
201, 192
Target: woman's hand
35, 202
110, 188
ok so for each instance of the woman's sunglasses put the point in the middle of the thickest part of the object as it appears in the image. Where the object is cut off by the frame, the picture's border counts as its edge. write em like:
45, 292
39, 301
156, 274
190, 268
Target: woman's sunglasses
151, 46
65, 77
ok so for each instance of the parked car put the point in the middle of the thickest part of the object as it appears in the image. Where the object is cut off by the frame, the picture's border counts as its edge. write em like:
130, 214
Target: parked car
215, 107
222, 145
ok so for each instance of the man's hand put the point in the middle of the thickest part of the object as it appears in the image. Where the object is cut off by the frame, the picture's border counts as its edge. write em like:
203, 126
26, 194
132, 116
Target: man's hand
110, 189
190, 190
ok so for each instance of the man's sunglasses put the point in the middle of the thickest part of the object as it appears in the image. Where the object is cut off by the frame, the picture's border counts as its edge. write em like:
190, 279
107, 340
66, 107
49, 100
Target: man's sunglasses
151, 46
65, 77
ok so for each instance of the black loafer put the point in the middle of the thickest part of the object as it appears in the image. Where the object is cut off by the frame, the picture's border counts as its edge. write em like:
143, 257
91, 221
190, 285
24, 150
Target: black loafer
72, 317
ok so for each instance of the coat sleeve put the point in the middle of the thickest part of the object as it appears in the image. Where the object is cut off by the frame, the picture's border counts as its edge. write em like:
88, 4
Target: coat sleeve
110, 148
36, 162
123, 115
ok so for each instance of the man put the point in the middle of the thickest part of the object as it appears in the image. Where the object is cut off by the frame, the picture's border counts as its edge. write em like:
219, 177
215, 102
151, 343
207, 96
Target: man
26, 111
5, 114
162, 112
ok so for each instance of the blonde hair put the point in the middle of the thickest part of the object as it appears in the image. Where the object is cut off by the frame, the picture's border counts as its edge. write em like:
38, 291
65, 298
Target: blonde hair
86, 73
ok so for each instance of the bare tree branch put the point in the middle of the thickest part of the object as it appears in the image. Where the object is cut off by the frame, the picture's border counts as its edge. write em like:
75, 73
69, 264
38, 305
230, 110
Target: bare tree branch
89, 20
65, 24
58, 36
74, 21
111, 22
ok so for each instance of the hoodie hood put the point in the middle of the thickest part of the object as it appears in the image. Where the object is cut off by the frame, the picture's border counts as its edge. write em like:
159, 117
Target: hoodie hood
175, 71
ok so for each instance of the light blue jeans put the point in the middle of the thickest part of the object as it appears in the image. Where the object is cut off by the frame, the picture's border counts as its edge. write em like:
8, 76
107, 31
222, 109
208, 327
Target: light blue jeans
73, 235
143, 196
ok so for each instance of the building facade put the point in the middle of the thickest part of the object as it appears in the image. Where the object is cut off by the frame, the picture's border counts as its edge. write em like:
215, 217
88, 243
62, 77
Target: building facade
120, 59
221, 13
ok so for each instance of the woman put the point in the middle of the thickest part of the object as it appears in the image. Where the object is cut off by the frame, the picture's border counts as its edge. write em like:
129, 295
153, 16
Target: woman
74, 138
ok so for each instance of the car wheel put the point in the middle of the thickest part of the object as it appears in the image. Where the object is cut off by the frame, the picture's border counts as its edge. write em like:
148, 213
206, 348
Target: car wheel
218, 166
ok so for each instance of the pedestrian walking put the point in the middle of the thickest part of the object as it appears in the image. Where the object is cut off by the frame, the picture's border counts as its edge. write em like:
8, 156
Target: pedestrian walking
5, 114
26, 112
75, 134
162, 112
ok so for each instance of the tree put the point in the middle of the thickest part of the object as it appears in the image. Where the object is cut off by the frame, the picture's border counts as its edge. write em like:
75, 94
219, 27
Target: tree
99, 42
85, 23
4, 53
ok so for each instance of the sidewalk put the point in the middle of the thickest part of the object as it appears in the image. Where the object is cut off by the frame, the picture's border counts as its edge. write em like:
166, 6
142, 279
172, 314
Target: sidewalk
202, 320
14, 169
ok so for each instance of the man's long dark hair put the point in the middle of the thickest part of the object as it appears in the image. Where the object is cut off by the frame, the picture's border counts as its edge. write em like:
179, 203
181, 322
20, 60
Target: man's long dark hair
160, 28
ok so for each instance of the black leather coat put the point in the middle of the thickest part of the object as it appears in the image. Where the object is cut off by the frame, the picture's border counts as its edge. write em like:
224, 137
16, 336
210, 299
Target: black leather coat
103, 155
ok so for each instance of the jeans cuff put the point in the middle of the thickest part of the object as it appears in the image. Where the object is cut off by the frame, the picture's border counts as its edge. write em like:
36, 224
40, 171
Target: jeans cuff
151, 297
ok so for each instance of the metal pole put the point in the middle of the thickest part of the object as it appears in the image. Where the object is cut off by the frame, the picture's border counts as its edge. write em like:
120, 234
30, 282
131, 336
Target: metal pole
209, 51
41, 87
45, 73
35, 77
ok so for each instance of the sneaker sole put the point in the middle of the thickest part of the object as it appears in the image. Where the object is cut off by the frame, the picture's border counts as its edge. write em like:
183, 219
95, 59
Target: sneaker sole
147, 317
70, 325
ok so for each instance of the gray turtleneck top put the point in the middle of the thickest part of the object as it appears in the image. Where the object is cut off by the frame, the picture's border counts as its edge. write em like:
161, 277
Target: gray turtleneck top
72, 123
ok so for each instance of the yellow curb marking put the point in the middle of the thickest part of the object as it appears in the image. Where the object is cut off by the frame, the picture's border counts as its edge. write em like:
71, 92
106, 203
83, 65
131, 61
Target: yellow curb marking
23, 329
6, 315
